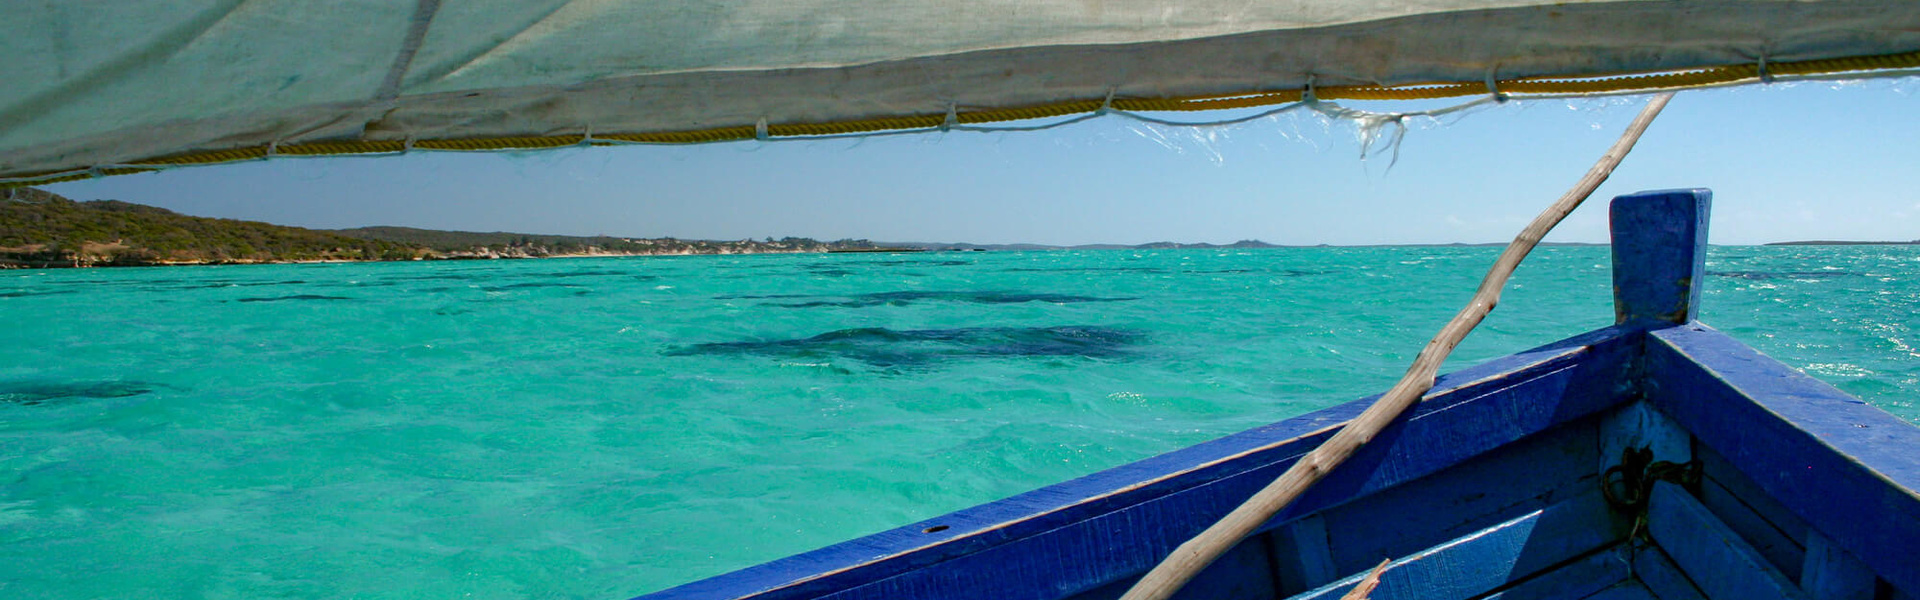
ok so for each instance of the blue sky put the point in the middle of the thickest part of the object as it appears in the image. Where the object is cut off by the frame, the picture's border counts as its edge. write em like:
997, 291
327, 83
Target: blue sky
1794, 161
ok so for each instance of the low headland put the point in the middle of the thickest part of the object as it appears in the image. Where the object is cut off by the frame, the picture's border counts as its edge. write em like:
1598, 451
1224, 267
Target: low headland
40, 229
1844, 243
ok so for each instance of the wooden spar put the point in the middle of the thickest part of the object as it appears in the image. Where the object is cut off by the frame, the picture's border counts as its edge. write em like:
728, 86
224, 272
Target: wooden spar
1367, 585
1195, 554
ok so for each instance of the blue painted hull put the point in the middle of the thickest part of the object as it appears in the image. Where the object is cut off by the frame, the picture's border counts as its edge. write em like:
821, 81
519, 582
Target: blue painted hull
1645, 460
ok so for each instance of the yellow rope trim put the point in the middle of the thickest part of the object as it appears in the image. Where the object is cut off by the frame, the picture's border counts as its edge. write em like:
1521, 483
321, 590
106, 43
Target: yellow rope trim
1626, 82
216, 156
331, 148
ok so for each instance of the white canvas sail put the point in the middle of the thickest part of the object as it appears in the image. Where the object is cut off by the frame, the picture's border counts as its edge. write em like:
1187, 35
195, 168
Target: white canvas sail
94, 87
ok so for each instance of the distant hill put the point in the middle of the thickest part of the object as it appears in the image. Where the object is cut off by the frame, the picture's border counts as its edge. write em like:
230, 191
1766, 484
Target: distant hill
1843, 243
42, 229
1017, 247
453, 241
39, 228
457, 244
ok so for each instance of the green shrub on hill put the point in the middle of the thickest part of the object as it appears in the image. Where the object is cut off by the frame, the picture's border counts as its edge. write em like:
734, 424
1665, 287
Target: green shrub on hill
37, 226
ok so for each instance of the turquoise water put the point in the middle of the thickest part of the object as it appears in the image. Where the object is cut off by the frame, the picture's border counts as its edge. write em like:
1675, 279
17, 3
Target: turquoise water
602, 428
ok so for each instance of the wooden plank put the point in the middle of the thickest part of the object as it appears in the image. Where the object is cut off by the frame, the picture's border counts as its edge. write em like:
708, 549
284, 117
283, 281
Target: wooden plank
1083, 534
1716, 468
1783, 552
1302, 558
1626, 590
1495, 413
1848, 469
1659, 255
1491, 558
1654, 569
1586, 577
1470, 496
1720, 563
1233, 576
1832, 574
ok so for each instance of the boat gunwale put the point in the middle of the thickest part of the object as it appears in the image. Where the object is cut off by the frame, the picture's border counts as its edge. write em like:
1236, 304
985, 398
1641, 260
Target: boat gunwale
1786, 432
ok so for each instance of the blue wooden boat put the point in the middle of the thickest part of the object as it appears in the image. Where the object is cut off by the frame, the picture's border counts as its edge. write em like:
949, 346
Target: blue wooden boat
1656, 458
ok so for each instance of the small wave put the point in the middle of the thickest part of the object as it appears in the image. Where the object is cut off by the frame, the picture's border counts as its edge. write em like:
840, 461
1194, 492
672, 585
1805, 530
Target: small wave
1768, 275
526, 286
234, 284
293, 297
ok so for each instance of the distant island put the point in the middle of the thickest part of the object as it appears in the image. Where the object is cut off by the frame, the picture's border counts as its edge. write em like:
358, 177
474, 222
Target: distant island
40, 229
1842, 243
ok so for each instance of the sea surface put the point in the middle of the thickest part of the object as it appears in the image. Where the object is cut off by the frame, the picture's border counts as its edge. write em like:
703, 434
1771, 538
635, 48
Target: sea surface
603, 428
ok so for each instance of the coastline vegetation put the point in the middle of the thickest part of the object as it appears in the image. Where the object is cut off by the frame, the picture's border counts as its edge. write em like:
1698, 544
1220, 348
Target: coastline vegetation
42, 229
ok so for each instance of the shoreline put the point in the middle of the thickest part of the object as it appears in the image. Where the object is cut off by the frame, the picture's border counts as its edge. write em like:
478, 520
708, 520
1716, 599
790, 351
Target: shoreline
13, 264
108, 264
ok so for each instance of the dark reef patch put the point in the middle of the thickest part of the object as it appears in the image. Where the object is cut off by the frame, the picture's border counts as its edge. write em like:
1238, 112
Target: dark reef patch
1086, 270
919, 263
294, 297
32, 393
23, 294
883, 347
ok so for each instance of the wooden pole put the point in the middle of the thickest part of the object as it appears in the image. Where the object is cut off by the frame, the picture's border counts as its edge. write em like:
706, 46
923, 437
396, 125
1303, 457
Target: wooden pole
1365, 588
1188, 559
